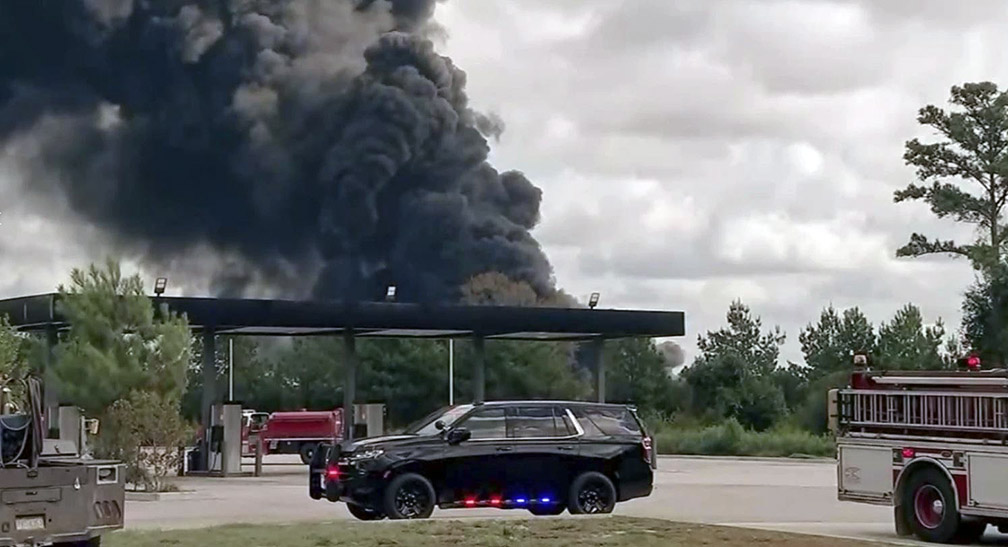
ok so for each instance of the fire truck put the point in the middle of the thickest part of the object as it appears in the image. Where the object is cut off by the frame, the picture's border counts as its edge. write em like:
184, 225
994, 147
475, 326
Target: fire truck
931, 444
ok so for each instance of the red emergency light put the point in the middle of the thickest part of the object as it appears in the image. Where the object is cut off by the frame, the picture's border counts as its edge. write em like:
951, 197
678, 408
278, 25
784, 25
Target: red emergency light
970, 362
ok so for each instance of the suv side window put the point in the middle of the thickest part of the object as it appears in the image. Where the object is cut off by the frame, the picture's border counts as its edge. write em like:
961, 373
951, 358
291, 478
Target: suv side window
486, 423
606, 422
526, 422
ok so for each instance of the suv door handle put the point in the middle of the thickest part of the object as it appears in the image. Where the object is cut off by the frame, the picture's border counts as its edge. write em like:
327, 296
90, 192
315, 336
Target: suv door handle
567, 448
505, 448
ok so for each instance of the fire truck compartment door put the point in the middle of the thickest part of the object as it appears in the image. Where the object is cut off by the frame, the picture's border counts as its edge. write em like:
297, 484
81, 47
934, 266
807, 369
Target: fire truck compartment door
865, 472
988, 480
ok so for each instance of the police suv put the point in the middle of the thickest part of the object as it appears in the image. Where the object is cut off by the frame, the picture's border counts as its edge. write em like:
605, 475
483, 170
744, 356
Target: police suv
543, 456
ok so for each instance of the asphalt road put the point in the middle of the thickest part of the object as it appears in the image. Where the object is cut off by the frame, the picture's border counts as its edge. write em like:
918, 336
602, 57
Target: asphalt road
796, 496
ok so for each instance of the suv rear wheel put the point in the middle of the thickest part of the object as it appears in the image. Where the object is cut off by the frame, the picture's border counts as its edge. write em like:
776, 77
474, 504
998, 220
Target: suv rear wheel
409, 496
591, 493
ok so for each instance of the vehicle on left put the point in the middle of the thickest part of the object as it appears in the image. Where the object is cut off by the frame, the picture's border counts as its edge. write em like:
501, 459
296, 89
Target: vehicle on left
50, 492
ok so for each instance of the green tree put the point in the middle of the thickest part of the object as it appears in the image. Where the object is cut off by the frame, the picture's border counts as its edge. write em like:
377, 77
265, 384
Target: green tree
829, 345
906, 343
14, 350
964, 174
733, 376
409, 376
744, 337
639, 372
985, 318
10, 351
116, 343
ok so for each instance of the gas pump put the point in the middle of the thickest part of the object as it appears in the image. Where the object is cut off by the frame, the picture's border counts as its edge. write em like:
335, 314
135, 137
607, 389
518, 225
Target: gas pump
225, 438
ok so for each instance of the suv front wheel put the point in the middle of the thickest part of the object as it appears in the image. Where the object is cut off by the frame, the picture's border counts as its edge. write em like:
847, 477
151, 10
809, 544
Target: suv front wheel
591, 493
409, 496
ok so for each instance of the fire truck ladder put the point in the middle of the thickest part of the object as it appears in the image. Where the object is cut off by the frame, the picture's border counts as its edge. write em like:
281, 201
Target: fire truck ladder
972, 413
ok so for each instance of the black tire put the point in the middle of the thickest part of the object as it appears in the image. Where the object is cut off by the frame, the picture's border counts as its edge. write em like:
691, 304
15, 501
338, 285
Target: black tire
929, 506
315, 485
409, 496
970, 531
548, 510
591, 493
307, 451
93, 542
363, 513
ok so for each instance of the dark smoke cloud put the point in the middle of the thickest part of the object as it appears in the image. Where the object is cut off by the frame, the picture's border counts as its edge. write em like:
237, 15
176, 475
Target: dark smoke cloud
310, 142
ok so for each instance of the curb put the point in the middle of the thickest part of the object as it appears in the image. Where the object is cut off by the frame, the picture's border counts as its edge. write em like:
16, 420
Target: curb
792, 459
155, 496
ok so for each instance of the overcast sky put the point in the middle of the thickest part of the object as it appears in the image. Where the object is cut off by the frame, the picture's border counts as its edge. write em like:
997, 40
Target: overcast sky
693, 152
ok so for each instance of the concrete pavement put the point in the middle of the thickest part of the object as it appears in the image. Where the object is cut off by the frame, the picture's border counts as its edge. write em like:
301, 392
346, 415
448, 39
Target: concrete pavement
796, 496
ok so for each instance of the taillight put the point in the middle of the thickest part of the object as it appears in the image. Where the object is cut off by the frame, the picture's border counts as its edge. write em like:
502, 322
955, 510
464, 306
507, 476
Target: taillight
646, 444
332, 473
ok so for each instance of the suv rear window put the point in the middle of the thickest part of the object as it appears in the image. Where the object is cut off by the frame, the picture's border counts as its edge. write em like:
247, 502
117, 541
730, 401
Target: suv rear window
607, 421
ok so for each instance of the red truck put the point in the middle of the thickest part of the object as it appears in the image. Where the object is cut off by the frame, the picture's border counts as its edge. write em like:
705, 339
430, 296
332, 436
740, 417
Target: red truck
297, 432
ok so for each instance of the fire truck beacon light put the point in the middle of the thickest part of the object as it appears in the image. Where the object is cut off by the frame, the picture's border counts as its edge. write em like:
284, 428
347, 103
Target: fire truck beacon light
860, 360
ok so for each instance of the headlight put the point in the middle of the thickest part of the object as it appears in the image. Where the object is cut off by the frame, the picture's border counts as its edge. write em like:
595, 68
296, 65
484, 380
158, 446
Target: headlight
368, 454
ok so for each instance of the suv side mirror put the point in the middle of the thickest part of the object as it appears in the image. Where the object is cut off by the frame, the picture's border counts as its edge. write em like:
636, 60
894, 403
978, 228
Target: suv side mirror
456, 436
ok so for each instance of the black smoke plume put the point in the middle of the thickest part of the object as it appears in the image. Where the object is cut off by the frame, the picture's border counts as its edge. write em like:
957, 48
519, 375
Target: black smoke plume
318, 143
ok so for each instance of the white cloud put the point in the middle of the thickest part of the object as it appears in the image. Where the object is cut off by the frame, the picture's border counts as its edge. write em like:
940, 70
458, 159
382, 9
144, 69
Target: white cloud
696, 152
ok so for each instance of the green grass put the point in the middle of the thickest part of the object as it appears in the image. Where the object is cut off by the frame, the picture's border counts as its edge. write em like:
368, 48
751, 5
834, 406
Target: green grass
731, 439
543, 532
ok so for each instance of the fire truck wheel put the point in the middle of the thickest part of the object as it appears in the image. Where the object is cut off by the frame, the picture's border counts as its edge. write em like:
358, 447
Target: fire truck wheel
363, 513
307, 451
409, 496
970, 531
929, 506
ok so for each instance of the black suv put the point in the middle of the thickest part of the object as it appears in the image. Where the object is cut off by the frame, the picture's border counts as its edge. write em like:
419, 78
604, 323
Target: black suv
544, 456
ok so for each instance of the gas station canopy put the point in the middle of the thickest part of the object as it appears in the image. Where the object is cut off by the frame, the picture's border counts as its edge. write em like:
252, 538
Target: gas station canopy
214, 317
255, 317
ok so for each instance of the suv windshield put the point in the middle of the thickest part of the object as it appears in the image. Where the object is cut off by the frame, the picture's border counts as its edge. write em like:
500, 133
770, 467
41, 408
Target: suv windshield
448, 414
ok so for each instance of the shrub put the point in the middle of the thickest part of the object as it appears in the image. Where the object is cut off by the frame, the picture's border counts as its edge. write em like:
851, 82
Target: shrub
146, 432
729, 438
